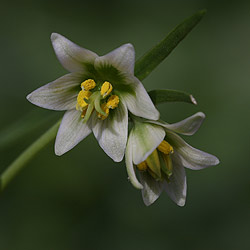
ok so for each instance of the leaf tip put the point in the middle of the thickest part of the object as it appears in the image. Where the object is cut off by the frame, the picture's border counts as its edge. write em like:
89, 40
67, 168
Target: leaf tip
193, 100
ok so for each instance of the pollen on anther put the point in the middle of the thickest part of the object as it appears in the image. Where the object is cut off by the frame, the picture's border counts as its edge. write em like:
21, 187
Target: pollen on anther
113, 102
88, 84
106, 89
82, 96
165, 148
142, 166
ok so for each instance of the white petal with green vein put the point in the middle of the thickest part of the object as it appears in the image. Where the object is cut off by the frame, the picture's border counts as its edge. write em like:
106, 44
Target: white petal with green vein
151, 188
60, 94
140, 104
72, 56
122, 58
191, 157
129, 163
188, 126
176, 188
146, 138
112, 132
72, 130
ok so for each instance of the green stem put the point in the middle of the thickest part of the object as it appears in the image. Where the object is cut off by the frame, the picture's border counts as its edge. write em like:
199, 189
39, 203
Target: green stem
15, 167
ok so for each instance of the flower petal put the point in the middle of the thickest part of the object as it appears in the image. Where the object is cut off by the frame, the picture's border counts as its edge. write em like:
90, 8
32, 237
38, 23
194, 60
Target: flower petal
146, 138
151, 188
140, 103
112, 132
188, 126
72, 130
72, 57
122, 58
60, 94
129, 163
177, 187
191, 157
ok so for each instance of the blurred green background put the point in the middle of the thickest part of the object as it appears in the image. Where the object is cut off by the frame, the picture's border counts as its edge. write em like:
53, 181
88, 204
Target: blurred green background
82, 200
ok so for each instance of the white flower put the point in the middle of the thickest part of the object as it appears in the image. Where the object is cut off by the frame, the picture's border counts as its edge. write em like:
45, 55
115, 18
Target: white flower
160, 156
97, 95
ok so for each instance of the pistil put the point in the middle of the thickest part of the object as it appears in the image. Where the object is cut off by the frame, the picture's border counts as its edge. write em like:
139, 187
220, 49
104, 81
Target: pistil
89, 98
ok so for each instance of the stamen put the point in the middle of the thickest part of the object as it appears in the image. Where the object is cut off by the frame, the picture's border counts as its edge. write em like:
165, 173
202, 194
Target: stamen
88, 112
106, 89
166, 164
165, 148
88, 84
142, 166
167, 168
113, 101
98, 103
82, 96
106, 110
153, 163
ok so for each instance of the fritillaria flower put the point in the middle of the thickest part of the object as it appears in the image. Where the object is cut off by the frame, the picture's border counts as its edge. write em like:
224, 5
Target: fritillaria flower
97, 95
161, 156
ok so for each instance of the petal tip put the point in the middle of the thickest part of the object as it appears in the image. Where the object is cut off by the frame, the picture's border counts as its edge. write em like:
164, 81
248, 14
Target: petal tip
31, 98
128, 46
216, 161
147, 203
155, 115
117, 159
201, 114
58, 150
54, 36
135, 183
28, 97
181, 202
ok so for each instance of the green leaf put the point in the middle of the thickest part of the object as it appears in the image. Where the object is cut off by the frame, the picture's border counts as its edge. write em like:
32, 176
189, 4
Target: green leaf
147, 63
167, 95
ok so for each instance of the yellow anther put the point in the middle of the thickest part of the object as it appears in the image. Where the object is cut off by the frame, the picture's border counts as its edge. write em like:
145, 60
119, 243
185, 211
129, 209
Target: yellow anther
142, 166
88, 84
81, 104
165, 148
105, 109
168, 166
154, 164
113, 101
106, 89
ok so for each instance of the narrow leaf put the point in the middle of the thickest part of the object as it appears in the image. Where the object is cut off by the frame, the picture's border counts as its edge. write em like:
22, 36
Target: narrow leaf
167, 95
147, 63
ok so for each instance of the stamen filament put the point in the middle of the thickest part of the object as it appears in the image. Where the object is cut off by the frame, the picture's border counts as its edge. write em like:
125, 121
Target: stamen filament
98, 105
89, 112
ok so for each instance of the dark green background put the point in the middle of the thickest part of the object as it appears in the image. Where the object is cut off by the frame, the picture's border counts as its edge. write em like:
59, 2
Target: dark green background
83, 200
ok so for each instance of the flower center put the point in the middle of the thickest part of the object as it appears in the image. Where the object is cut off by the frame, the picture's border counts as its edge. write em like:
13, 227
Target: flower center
159, 164
96, 97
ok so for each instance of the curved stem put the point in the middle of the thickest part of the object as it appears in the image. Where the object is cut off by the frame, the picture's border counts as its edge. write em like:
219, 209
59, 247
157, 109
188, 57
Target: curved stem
15, 167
